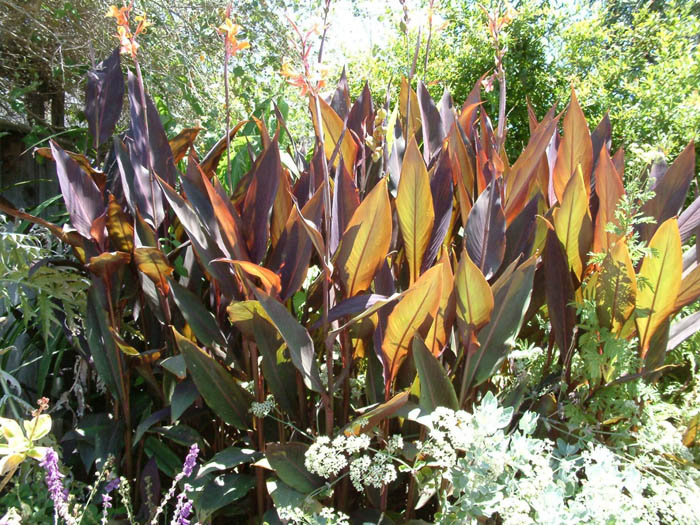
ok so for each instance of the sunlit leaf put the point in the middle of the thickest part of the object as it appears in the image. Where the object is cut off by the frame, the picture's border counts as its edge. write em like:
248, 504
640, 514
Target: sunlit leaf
616, 288
153, 263
569, 220
412, 315
332, 131
609, 189
661, 274
119, 227
575, 149
474, 297
366, 241
414, 207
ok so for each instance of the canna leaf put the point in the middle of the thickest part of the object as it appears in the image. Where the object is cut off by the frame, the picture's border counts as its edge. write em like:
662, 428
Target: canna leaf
670, 191
181, 143
83, 198
511, 294
443, 196
661, 274
332, 131
569, 220
369, 420
575, 149
345, 201
227, 216
689, 290
412, 315
104, 97
290, 258
609, 189
287, 459
201, 320
259, 199
269, 280
485, 232
616, 288
414, 208
107, 263
119, 227
559, 292
474, 297
365, 242
442, 324
227, 399
523, 173
411, 108
432, 123
436, 390
153, 263
301, 347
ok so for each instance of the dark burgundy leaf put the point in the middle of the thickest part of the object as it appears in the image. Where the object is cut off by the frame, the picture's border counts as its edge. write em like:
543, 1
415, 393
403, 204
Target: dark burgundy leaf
689, 220
559, 291
432, 127
601, 137
345, 201
104, 97
486, 230
362, 114
290, 258
447, 112
340, 102
671, 189
82, 196
441, 190
259, 199
140, 191
520, 235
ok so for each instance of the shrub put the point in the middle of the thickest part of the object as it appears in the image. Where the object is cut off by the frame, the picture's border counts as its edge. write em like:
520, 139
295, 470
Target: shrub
431, 256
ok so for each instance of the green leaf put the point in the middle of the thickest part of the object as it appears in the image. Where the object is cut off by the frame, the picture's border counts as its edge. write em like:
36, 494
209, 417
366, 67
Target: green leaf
201, 321
221, 491
222, 393
511, 294
184, 395
301, 347
435, 387
288, 461
227, 459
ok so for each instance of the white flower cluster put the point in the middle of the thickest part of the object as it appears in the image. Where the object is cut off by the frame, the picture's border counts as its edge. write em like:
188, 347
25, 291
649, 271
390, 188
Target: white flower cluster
298, 515
372, 471
327, 458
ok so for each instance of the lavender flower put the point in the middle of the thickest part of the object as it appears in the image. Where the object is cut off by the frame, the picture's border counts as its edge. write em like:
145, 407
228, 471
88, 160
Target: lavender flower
54, 482
187, 469
190, 461
183, 508
107, 499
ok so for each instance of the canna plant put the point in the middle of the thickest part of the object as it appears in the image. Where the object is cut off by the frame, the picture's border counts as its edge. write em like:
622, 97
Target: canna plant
390, 269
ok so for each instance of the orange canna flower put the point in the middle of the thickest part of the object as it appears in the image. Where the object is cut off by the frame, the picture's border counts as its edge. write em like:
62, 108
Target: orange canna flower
229, 30
120, 13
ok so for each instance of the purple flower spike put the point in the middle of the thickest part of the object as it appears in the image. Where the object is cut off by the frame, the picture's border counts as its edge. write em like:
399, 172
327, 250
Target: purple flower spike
54, 478
54, 482
183, 509
190, 460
